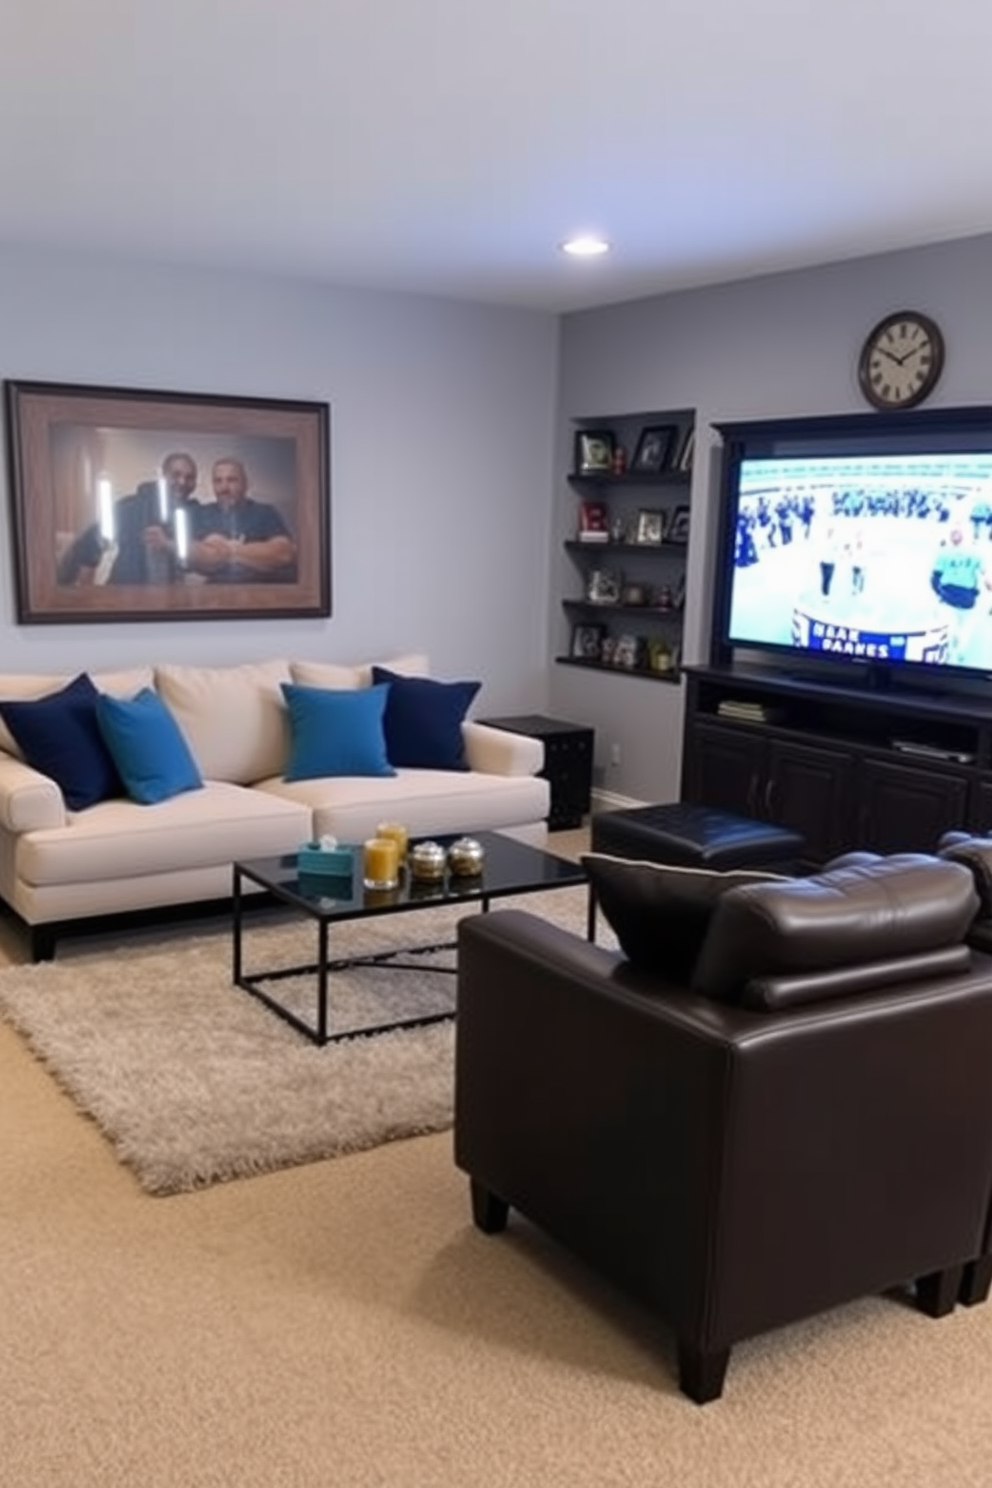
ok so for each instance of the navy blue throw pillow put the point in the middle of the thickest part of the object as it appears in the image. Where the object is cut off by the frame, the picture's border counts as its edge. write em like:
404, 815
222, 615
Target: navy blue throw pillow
423, 720
60, 737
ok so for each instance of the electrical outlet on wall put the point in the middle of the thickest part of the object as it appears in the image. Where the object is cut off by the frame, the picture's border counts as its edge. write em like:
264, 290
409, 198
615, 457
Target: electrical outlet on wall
614, 754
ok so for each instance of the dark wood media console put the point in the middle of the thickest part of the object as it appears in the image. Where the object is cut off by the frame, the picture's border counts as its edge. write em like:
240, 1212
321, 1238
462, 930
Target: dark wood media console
888, 770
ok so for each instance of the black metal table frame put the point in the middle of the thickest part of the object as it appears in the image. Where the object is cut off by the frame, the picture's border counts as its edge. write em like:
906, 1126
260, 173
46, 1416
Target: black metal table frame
321, 968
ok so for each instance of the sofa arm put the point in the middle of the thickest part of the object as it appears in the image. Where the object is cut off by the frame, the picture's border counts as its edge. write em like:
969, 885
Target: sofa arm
29, 801
496, 751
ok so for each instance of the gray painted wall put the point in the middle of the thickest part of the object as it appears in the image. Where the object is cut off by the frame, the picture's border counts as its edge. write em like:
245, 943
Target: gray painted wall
442, 429
450, 437
777, 347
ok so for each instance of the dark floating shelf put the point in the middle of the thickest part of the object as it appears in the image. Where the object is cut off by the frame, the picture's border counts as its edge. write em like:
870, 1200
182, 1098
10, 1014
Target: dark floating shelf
634, 478
644, 673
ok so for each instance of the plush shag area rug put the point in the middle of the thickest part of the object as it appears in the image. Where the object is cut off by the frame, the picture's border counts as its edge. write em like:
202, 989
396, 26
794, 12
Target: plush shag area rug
194, 1081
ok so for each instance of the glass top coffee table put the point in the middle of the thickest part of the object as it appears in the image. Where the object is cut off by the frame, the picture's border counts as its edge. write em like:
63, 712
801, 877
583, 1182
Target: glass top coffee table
510, 867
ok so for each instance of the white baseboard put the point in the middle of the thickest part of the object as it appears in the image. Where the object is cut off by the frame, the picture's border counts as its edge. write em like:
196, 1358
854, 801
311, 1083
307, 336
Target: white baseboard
604, 800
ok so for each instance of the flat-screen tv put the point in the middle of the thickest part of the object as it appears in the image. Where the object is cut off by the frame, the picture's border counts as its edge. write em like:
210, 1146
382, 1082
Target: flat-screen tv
880, 559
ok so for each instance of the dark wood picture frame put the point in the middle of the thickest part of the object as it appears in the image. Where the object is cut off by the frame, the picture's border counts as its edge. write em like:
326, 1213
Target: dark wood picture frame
594, 451
90, 503
653, 449
587, 642
678, 527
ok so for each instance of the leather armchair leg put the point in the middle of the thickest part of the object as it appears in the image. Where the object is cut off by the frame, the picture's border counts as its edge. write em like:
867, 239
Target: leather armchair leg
937, 1293
489, 1211
702, 1371
976, 1282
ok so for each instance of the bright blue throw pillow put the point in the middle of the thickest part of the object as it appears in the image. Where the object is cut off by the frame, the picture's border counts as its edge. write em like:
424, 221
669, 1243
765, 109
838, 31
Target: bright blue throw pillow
335, 732
59, 736
424, 719
148, 747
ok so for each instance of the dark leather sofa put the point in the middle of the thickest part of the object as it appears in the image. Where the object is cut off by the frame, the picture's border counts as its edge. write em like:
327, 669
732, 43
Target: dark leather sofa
802, 1117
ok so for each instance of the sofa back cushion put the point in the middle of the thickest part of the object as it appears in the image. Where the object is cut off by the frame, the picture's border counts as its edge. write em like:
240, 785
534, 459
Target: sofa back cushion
26, 686
908, 905
339, 676
233, 717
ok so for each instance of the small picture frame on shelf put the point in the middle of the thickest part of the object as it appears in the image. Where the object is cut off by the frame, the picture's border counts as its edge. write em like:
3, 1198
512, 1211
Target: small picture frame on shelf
587, 642
603, 586
678, 597
650, 529
653, 449
594, 450
678, 530
627, 652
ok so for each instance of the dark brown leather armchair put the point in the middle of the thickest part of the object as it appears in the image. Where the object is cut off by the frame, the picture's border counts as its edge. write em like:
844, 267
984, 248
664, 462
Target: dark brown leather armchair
976, 855
805, 1118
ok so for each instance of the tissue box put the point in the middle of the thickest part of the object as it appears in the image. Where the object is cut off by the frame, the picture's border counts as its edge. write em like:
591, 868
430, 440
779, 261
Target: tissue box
330, 862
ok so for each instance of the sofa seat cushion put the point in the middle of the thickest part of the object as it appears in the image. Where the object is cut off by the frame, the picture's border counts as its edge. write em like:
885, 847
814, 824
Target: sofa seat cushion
427, 801
203, 828
233, 718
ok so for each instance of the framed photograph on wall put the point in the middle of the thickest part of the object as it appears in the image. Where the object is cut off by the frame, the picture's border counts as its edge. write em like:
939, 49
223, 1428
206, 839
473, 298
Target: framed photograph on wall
678, 530
653, 449
594, 449
135, 505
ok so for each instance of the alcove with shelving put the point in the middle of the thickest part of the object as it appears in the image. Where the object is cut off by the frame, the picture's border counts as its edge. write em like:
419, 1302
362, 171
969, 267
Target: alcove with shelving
623, 599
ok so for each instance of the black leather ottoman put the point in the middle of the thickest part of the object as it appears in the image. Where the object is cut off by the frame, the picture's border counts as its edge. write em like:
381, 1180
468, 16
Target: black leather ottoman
696, 837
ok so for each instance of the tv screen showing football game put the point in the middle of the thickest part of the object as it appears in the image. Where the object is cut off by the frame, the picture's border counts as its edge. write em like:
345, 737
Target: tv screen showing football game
874, 558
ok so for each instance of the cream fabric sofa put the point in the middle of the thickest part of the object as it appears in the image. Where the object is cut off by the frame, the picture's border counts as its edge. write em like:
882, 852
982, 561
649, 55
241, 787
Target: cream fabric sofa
58, 866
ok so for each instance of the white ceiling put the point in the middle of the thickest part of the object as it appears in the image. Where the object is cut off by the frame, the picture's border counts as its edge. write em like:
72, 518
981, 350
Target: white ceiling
447, 147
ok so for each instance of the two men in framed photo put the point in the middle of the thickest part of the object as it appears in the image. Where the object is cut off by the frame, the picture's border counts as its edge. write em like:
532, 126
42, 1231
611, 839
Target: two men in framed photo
135, 505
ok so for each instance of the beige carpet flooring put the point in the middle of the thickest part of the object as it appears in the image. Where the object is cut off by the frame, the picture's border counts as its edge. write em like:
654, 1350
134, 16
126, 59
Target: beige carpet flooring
341, 1325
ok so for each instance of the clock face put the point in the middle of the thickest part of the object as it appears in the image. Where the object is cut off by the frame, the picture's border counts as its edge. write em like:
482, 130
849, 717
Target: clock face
901, 360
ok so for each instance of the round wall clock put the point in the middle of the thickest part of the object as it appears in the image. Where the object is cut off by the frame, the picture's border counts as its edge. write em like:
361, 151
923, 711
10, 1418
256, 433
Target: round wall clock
901, 360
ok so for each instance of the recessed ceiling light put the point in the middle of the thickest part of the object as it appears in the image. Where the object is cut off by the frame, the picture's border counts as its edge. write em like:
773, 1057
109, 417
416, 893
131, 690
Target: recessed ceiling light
585, 247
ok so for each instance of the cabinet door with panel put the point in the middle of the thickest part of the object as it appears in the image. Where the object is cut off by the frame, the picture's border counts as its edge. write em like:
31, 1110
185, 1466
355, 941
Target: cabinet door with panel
808, 789
980, 815
723, 767
905, 809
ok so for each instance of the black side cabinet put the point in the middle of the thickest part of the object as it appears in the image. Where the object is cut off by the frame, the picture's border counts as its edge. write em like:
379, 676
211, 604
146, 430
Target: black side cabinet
568, 754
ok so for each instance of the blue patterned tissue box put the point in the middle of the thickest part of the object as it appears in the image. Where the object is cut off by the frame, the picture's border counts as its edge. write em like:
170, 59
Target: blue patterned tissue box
332, 862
